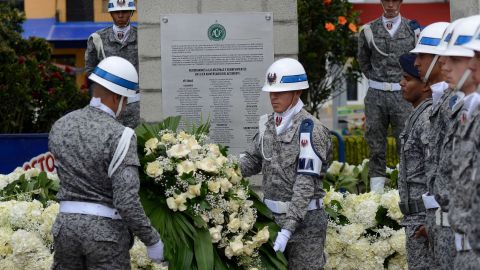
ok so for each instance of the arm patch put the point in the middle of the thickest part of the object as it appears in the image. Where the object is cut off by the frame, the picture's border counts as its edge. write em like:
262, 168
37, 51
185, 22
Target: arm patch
309, 161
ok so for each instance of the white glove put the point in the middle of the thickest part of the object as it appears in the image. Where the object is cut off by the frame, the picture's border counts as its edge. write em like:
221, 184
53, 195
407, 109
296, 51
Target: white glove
155, 252
282, 239
377, 184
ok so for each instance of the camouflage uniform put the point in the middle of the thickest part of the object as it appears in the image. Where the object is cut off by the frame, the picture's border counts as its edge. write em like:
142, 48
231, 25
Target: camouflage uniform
384, 107
466, 147
441, 240
281, 182
130, 117
83, 143
412, 183
474, 221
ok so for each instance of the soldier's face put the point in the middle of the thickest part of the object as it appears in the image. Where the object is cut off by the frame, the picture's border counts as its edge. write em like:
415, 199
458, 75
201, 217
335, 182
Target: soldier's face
474, 65
121, 17
411, 88
453, 68
422, 63
391, 8
282, 100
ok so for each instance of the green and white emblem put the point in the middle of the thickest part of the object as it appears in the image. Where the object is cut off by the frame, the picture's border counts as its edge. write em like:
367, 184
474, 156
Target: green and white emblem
216, 32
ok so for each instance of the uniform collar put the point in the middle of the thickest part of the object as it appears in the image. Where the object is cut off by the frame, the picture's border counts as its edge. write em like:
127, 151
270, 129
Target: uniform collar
97, 103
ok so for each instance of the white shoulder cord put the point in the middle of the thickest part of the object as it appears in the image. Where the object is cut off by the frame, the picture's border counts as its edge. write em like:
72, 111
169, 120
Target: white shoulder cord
121, 151
97, 41
261, 131
370, 40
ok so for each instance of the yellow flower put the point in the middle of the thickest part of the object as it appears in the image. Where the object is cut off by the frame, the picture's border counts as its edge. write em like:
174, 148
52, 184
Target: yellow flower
154, 169
329, 27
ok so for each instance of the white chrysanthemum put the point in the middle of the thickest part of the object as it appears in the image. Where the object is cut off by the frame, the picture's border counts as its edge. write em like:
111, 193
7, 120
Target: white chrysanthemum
382, 248
48, 218
178, 151
168, 138
154, 169
225, 185
332, 195
9, 263
334, 261
29, 252
261, 236
334, 243
229, 252
216, 233
397, 241
185, 166
5, 212
194, 191
241, 193
350, 233
335, 168
25, 214
213, 186
138, 254
5, 238
390, 201
361, 208
359, 249
207, 164
151, 145
233, 205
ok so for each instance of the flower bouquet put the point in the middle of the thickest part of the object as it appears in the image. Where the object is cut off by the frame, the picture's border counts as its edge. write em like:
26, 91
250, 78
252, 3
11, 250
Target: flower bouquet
196, 197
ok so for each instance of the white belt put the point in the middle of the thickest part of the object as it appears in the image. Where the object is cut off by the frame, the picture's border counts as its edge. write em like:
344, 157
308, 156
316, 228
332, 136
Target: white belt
385, 86
89, 208
461, 242
429, 201
441, 218
279, 207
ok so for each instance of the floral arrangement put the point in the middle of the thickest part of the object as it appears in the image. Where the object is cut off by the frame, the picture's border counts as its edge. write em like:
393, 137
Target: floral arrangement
363, 231
204, 210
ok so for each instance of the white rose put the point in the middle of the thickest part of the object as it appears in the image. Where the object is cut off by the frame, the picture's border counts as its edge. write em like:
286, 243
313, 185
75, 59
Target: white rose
171, 204
261, 236
168, 138
194, 191
217, 215
183, 136
214, 186
237, 246
248, 248
207, 164
192, 144
151, 145
178, 151
154, 169
213, 150
216, 233
225, 184
221, 160
180, 200
335, 168
233, 176
246, 224
228, 252
185, 166
234, 224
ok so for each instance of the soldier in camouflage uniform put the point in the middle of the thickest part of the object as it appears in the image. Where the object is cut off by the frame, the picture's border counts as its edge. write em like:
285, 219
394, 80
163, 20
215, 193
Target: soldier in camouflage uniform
291, 149
120, 39
465, 154
380, 44
431, 38
412, 180
99, 203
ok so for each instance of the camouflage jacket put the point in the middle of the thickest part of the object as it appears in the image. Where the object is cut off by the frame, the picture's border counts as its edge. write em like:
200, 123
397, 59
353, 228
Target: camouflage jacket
112, 47
439, 120
374, 65
466, 147
83, 143
412, 180
281, 182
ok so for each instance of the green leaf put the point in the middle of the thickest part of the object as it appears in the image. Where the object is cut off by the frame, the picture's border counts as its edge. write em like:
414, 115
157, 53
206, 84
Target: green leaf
218, 264
203, 250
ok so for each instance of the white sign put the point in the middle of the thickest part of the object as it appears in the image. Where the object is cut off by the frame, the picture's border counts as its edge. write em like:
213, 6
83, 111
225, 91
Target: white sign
213, 66
45, 162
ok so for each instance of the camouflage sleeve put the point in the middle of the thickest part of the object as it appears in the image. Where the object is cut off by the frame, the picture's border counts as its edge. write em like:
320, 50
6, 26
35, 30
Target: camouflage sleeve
474, 226
251, 160
91, 60
364, 54
125, 185
304, 186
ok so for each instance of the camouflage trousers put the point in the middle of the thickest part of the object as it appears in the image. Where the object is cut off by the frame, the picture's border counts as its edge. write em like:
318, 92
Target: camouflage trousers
467, 260
383, 108
441, 242
305, 250
130, 116
418, 255
90, 242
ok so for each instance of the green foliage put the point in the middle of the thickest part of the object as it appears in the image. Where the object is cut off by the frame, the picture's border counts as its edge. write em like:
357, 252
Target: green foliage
40, 188
33, 91
356, 150
384, 220
327, 38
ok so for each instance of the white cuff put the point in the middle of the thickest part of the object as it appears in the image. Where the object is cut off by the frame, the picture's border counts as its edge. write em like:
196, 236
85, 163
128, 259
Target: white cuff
429, 201
377, 184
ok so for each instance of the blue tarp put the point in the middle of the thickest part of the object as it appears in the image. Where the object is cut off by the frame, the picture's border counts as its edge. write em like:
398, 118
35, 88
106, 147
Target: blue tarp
20, 148
62, 35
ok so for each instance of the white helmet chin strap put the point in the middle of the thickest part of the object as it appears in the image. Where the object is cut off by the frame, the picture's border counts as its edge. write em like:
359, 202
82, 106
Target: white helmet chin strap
462, 80
119, 109
430, 68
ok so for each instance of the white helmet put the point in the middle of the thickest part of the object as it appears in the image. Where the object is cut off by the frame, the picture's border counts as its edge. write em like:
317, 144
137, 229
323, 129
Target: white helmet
117, 75
447, 35
474, 44
430, 37
117, 5
286, 74
462, 33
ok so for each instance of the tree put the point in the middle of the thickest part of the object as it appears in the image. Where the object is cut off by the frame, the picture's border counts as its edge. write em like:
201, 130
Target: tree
34, 92
327, 47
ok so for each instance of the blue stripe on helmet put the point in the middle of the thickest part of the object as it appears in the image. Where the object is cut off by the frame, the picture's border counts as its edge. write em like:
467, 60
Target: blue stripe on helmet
294, 78
429, 41
110, 5
115, 79
462, 40
448, 37
131, 4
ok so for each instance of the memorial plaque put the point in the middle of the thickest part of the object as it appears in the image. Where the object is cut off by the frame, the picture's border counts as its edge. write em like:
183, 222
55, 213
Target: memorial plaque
213, 66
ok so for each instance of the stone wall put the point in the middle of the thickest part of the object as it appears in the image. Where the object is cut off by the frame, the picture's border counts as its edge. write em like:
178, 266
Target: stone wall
464, 8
